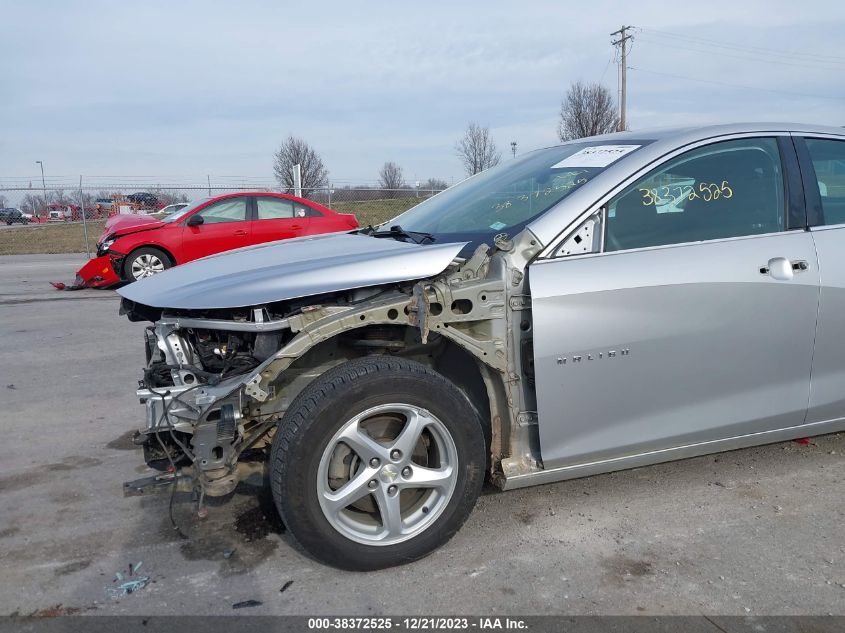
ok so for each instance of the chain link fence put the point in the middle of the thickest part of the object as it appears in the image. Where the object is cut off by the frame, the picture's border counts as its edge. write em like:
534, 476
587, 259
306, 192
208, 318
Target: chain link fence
59, 214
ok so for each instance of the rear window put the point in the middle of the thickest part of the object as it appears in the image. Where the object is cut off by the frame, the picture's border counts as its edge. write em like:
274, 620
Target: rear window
828, 158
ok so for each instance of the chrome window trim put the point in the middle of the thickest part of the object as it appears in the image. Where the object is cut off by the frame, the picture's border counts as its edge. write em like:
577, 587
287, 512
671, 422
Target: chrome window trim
678, 245
820, 135
827, 227
550, 251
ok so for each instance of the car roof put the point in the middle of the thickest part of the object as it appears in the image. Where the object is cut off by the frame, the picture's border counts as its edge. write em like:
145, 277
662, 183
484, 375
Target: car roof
692, 133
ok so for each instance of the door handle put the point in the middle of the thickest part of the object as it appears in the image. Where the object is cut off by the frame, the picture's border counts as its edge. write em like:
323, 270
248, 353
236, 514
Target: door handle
296, 227
782, 269
240, 233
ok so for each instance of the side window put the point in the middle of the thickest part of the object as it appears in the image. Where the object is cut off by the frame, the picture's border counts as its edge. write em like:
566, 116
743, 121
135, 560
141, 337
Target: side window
828, 158
274, 209
231, 210
726, 189
303, 211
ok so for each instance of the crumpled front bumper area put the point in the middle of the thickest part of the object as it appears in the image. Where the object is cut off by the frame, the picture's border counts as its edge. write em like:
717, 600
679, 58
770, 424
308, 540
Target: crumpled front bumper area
99, 272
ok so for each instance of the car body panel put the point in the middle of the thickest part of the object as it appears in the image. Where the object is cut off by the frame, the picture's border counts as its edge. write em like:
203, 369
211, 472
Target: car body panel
657, 332
125, 223
97, 273
276, 229
290, 269
827, 395
207, 239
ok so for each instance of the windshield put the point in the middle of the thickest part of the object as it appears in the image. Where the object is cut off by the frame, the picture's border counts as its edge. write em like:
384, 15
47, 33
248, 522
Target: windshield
181, 213
507, 197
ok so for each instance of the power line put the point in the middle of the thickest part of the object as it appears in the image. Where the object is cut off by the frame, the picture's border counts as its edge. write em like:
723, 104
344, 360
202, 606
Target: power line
732, 85
689, 38
779, 62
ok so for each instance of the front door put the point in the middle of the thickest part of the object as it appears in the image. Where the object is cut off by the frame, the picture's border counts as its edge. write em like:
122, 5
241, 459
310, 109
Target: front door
695, 323
225, 226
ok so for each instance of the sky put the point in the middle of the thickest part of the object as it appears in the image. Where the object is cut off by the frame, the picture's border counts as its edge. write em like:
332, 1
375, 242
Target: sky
181, 90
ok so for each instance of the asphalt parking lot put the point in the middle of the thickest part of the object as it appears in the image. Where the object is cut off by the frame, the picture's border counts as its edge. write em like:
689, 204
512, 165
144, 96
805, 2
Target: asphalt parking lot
758, 531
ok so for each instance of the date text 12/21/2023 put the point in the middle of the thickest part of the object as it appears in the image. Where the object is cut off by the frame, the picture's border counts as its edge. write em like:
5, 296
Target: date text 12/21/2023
417, 623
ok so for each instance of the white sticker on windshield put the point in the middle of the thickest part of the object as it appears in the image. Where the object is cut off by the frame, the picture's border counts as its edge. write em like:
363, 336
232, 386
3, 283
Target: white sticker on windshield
498, 225
595, 156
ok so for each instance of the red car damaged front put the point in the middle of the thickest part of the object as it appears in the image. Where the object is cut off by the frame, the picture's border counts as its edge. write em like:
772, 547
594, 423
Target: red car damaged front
105, 269
133, 247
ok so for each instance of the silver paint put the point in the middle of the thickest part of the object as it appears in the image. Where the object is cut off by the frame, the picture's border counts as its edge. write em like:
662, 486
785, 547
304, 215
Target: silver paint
290, 269
716, 348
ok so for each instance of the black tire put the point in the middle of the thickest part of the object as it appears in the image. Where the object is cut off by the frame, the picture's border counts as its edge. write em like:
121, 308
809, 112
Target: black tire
145, 251
322, 408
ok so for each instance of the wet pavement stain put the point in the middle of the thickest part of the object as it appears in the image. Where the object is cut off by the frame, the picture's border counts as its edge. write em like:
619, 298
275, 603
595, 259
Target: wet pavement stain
40, 474
256, 523
70, 568
525, 517
621, 568
124, 442
239, 534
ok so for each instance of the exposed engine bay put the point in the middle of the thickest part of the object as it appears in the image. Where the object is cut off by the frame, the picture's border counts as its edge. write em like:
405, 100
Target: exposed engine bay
218, 382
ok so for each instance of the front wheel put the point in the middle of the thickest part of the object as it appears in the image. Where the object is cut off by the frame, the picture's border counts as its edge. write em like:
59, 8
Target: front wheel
377, 462
145, 262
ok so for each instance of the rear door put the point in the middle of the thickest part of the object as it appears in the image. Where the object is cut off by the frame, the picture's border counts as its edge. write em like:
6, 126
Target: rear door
823, 169
225, 226
694, 323
278, 219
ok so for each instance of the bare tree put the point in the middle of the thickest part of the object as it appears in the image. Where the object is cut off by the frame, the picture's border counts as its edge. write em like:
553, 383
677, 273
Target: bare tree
586, 110
296, 151
58, 197
169, 196
32, 203
390, 178
477, 150
434, 184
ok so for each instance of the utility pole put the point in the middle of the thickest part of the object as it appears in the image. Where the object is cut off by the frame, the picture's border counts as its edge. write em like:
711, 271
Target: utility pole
513, 148
84, 223
43, 183
622, 43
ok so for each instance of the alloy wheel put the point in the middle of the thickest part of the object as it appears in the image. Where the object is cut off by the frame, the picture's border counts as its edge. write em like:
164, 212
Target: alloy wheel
387, 474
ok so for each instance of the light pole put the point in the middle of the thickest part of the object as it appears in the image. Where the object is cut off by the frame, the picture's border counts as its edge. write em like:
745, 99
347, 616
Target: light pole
43, 182
513, 148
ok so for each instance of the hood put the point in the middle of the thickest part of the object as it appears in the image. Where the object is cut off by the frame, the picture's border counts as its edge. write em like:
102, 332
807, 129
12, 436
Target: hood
289, 269
124, 223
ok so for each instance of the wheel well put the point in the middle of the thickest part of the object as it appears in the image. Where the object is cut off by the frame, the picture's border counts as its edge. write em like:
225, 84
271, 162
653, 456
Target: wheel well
155, 246
441, 354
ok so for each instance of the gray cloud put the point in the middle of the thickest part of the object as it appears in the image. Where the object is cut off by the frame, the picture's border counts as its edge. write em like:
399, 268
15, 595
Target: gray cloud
193, 88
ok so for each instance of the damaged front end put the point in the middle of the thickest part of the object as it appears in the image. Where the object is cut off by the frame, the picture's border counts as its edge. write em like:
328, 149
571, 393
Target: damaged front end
218, 381
100, 272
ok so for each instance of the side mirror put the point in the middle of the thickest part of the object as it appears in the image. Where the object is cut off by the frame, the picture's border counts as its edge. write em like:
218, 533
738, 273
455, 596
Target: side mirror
195, 220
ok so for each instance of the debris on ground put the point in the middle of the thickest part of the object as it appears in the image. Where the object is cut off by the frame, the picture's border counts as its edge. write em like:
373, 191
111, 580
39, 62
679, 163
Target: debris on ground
54, 612
227, 553
247, 603
10, 387
128, 586
285, 586
802, 440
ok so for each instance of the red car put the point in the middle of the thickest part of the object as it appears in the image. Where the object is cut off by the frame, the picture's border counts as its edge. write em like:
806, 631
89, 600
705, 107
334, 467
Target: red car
136, 246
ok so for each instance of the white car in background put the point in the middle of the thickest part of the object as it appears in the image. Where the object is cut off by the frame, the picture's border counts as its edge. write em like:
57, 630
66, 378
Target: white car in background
170, 208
